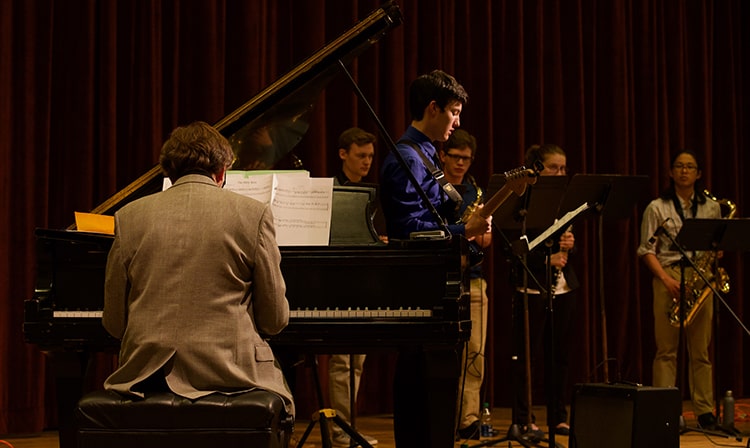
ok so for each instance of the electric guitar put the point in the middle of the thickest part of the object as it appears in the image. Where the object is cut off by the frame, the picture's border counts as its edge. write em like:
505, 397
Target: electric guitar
516, 181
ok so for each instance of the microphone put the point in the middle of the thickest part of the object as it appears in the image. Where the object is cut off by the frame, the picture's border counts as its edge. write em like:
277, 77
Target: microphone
658, 231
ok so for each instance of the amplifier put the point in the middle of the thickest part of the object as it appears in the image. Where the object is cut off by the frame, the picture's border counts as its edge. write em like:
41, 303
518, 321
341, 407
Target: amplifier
625, 416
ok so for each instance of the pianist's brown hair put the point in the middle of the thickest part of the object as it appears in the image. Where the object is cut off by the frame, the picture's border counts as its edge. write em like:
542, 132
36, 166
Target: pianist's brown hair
435, 86
197, 148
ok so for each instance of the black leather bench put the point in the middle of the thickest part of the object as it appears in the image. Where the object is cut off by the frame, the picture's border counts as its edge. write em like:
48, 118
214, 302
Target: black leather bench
164, 420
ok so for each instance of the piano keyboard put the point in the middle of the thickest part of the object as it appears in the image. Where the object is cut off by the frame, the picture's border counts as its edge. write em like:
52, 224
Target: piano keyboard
296, 314
359, 313
77, 314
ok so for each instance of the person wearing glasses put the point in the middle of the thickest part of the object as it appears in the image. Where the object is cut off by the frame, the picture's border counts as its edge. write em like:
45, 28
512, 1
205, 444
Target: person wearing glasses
457, 155
683, 199
564, 286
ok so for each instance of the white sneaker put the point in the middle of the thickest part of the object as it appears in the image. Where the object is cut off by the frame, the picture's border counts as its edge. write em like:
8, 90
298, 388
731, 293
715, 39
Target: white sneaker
342, 439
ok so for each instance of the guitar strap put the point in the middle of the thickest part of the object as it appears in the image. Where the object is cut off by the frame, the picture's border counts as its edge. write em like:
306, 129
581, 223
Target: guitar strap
437, 174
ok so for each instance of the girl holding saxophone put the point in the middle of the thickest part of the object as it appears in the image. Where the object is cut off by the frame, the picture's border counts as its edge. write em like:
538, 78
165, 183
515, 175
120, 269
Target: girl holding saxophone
683, 199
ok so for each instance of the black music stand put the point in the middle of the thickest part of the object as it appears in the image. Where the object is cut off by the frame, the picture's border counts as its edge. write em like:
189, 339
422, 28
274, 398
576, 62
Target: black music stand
693, 237
536, 209
615, 195
713, 235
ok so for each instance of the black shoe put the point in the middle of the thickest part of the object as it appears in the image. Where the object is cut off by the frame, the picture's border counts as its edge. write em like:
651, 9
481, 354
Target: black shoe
470, 432
707, 421
562, 430
532, 435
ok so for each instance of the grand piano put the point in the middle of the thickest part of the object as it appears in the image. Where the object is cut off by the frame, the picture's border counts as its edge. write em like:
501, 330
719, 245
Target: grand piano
355, 295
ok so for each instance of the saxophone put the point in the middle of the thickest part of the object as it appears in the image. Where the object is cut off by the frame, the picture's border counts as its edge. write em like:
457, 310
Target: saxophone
473, 206
696, 290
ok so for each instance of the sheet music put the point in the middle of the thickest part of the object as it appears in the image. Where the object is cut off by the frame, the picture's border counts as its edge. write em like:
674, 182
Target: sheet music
561, 223
259, 184
301, 205
302, 210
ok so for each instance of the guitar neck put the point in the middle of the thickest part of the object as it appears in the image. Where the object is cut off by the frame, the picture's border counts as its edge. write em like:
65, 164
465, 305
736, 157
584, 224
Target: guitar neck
495, 201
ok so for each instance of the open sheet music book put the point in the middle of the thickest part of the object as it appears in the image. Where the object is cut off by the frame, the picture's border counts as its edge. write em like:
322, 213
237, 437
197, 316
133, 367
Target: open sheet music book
301, 204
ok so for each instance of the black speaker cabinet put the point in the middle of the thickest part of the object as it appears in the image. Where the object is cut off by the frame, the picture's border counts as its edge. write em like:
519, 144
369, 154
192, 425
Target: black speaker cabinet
624, 416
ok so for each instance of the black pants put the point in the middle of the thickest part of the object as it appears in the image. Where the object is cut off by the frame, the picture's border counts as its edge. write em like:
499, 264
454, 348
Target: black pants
425, 389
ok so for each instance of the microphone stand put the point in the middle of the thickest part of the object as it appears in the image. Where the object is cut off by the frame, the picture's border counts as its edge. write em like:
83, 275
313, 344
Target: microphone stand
685, 262
723, 233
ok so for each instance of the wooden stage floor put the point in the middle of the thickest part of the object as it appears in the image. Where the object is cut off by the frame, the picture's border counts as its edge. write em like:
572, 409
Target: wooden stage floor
381, 427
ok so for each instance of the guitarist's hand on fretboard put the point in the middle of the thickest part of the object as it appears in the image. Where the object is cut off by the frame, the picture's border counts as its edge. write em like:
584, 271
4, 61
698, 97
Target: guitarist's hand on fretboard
478, 224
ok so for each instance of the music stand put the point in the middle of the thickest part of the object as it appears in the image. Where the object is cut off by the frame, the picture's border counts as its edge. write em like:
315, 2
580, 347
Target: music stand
735, 235
539, 205
615, 195
695, 234
711, 235
586, 194
536, 209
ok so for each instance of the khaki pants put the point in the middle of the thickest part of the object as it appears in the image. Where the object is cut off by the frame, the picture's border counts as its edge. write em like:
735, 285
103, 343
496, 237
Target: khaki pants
338, 382
473, 374
698, 337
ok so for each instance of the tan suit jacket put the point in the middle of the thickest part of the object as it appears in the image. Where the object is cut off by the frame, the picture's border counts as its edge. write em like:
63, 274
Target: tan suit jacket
193, 280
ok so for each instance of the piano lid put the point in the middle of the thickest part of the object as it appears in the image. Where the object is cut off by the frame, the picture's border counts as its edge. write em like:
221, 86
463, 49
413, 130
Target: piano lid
266, 128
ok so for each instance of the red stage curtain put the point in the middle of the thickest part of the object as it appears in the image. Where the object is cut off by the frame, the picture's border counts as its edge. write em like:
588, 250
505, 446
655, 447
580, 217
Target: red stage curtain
90, 89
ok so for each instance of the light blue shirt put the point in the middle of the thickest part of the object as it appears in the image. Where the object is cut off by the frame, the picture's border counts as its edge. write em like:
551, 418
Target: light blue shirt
656, 213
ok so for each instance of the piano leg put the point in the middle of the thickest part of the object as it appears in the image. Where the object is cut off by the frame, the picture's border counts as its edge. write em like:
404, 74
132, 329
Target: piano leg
425, 397
69, 369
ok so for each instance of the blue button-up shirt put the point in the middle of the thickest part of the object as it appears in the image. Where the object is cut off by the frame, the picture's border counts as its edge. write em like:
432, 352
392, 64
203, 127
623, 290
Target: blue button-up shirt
403, 207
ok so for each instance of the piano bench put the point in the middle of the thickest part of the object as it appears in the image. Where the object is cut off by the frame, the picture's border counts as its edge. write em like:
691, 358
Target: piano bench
165, 420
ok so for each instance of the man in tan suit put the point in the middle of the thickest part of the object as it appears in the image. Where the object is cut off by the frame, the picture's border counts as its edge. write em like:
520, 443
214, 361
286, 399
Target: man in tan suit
193, 281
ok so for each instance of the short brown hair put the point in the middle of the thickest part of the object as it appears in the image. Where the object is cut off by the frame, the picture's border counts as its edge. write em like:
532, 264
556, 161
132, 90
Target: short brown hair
355, 136
461, 139
197, 147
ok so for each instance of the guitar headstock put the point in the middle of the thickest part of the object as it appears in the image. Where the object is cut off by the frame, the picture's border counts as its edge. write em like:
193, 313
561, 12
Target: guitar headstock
517, 179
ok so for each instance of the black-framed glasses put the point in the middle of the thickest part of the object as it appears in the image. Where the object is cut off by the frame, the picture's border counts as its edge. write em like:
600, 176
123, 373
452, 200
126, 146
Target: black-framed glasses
689, 168
461, 158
